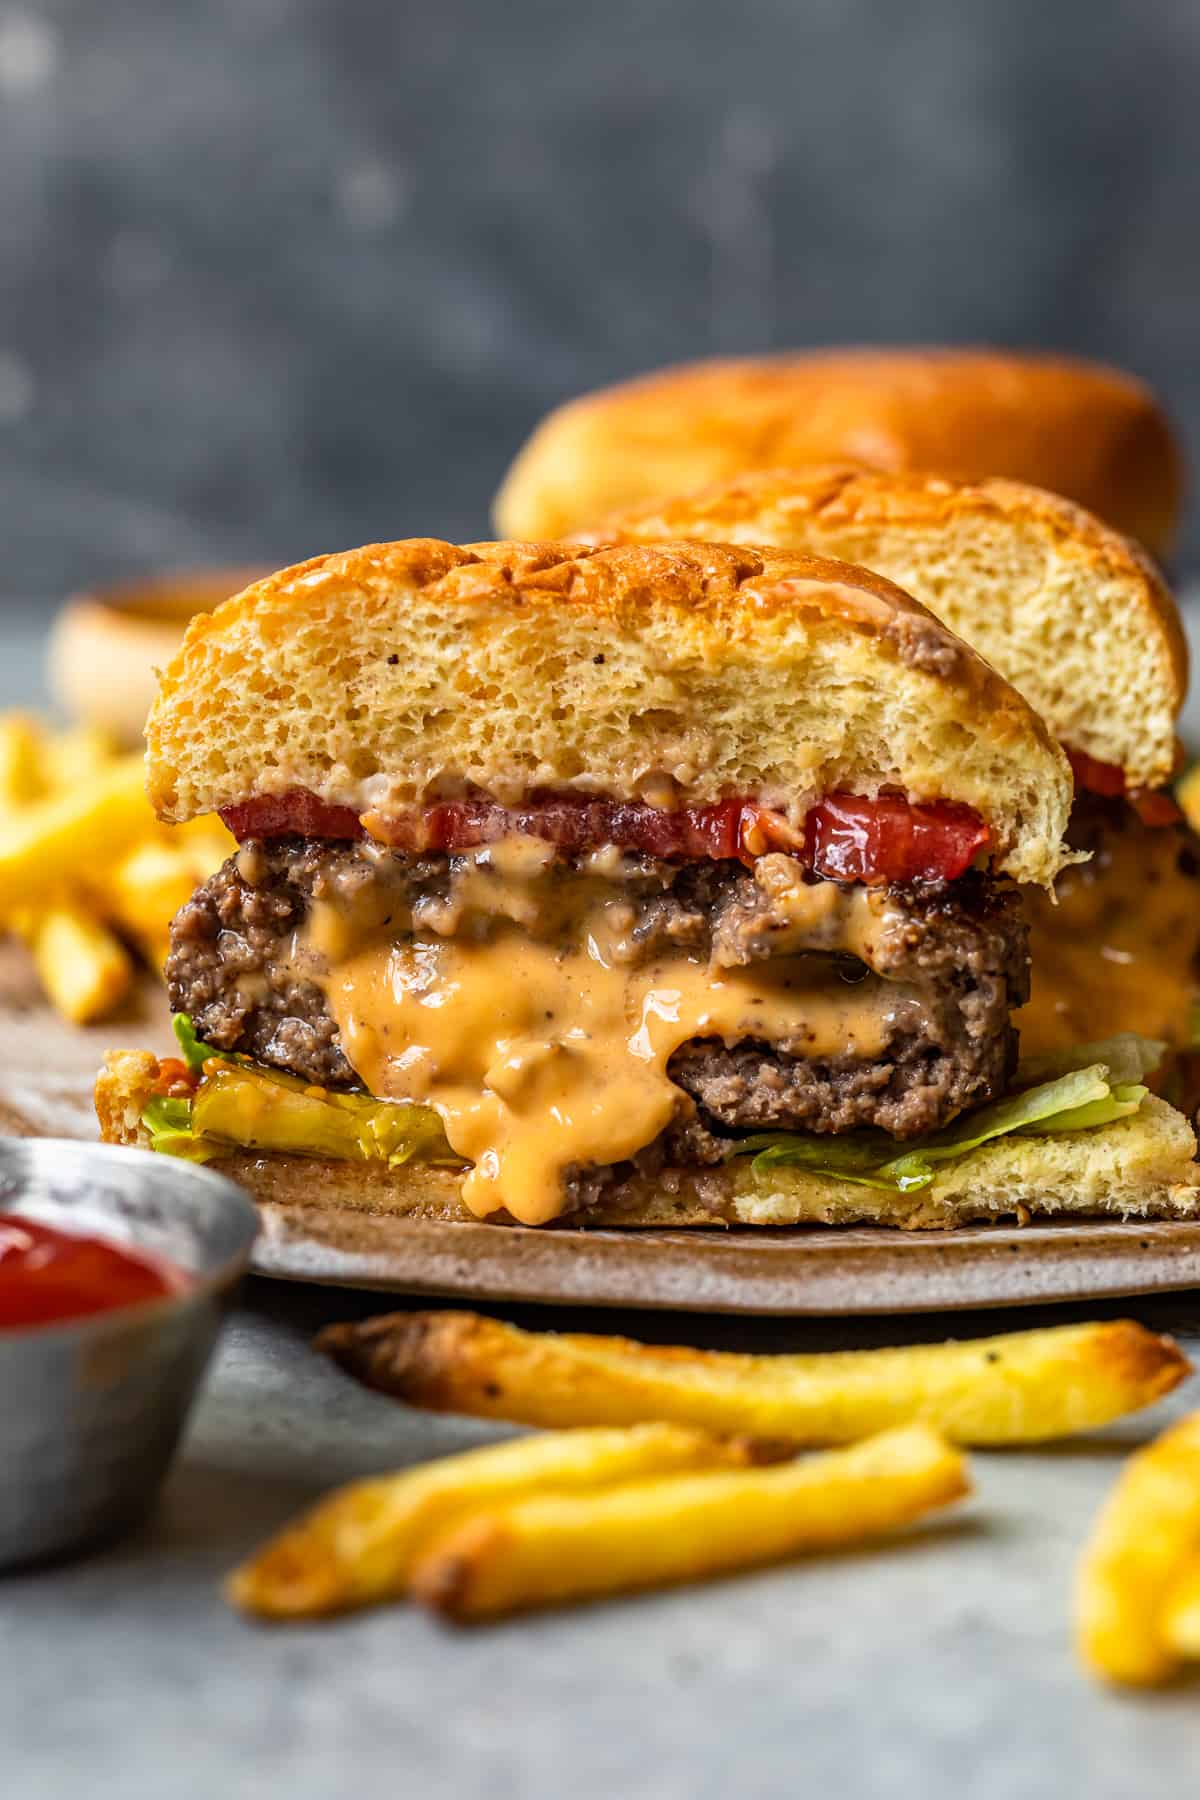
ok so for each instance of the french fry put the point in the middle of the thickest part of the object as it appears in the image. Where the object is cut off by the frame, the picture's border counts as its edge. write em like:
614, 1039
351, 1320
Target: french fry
358, 1547
1017, 1389
80, 848
204, 844
156, 949
1145, 1542
76, 756
84, 969
52, 843
1181, 1613
22, 922
1187, 793
556, 1547
146, 890
22, 753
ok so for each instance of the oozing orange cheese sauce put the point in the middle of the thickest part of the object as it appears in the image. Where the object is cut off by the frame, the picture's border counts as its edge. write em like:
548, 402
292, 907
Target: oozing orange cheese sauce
1117, 951
543, 1045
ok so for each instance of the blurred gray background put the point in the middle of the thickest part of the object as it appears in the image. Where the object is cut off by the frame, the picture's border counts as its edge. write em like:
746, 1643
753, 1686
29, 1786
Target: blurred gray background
279, 276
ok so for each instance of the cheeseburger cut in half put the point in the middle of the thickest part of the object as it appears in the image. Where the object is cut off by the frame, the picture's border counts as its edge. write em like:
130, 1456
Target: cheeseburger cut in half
636, 884
1081, 622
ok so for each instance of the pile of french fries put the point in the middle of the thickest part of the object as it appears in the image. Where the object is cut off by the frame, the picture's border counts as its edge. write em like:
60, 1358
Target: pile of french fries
571, 1515
89, 878
661, 1465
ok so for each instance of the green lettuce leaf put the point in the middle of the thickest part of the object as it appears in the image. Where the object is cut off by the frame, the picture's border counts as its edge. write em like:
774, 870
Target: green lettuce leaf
195, 1053
1076, 1100
859, 1157
1036, 1106
1127, 1057
1118, 1104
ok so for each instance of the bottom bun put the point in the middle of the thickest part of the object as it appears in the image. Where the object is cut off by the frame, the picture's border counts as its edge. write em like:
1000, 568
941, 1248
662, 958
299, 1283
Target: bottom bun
1139, 1167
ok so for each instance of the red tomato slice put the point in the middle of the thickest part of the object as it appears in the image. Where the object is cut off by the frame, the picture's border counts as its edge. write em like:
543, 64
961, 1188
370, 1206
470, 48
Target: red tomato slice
889, 839
846, 837
278, 815
1153, 806
1098, 777
572, 822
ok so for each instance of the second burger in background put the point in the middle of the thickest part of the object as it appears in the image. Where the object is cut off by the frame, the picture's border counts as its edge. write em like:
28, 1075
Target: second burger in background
1095, 434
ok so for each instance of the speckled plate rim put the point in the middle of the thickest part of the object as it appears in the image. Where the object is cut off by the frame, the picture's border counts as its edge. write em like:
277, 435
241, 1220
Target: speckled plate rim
807, 1271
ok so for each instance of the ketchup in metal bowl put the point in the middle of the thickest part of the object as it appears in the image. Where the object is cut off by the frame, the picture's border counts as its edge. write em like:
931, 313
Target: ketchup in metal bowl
49, 1276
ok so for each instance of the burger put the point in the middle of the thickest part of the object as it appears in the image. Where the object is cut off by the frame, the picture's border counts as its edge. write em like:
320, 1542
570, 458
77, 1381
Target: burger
635, 884
1092, 433
1081, 622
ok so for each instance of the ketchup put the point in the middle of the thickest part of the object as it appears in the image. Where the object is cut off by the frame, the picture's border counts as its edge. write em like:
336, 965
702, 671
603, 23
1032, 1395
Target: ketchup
47, 1275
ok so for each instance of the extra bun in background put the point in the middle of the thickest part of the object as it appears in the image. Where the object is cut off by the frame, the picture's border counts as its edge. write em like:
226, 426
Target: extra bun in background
1075, 615
399, 674
1092, 433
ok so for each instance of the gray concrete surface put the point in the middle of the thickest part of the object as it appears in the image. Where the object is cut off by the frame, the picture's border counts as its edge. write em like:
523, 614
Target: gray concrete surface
939, 1665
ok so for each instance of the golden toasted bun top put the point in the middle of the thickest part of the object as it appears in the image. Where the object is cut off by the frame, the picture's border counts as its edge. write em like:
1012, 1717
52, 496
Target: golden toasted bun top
1092, 433
1073, 614
676, 673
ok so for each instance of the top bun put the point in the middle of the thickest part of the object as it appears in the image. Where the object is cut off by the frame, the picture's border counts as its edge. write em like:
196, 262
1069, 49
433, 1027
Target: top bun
1073, 614
1089, 432
676, 673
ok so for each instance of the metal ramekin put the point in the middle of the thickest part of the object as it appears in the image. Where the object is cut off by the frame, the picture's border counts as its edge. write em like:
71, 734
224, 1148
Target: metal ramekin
91, 1410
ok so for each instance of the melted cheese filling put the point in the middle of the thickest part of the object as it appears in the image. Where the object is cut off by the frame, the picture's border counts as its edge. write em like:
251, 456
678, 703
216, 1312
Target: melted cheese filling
1117, 952
540, 1039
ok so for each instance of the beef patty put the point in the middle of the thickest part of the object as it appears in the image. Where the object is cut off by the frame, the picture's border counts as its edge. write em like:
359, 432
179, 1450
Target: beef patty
960, 947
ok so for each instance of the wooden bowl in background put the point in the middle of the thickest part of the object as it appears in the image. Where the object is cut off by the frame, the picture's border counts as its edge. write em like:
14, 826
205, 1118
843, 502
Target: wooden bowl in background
107, 648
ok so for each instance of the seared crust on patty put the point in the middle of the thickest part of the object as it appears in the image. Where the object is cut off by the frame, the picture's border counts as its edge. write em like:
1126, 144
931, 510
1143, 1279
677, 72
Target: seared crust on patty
955, 951
963, 946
